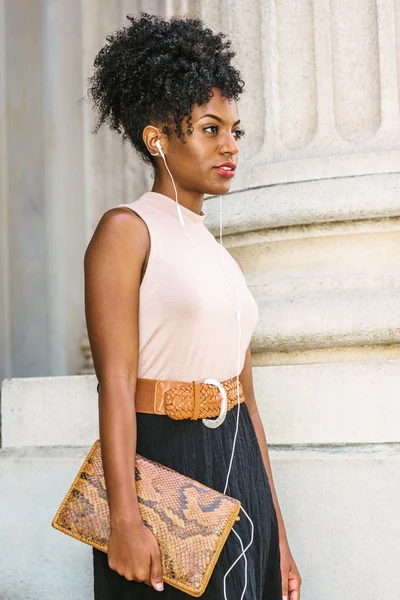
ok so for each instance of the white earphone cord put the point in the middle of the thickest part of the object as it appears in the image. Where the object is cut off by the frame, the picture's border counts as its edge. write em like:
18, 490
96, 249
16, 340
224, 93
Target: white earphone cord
235, 303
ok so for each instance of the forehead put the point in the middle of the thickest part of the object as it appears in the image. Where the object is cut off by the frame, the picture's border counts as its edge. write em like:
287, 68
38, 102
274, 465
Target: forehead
217, 105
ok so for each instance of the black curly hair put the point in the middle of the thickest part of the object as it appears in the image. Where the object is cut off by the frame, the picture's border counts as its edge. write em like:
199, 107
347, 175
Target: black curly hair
154, 71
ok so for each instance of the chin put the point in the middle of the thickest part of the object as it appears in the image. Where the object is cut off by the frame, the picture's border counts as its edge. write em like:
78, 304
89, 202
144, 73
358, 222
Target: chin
216, 189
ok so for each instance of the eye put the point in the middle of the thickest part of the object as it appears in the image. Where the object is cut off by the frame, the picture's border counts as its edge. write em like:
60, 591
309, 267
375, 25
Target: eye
213, 128
238, 133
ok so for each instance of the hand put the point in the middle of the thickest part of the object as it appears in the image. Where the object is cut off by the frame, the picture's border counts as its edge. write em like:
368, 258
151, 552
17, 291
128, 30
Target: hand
134, 553
291, 580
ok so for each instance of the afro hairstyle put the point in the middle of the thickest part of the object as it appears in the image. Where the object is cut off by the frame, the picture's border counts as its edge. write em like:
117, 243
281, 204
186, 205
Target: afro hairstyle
154, 70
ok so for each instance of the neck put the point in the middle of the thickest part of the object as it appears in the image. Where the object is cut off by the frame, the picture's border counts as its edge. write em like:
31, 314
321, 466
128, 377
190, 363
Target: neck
189, 199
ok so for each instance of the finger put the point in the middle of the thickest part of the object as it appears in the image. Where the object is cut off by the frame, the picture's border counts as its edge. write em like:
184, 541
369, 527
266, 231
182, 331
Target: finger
294, 588
156, 572
294, 583
285, 585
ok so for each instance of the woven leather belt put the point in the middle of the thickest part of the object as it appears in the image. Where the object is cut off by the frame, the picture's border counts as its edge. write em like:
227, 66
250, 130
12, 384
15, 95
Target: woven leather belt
181, 400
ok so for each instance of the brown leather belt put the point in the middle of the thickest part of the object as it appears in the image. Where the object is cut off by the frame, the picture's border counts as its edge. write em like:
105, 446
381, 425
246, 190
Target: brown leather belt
184, 400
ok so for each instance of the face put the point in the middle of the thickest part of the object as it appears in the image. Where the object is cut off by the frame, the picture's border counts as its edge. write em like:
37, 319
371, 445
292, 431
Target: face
206, 163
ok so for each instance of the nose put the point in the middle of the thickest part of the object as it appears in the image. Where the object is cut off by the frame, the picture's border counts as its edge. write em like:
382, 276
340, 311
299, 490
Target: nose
229, 145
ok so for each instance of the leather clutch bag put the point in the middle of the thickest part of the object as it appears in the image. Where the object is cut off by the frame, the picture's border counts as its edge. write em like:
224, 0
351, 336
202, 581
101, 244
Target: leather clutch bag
190, 521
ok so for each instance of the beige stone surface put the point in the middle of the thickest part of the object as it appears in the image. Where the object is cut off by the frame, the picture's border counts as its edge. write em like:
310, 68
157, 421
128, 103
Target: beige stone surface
315, 403
321, 258
341, 513
49, 411
37, 562
340, 507
331, 403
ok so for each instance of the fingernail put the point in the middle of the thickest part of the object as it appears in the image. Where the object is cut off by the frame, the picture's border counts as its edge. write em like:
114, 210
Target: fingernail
284, 597
160, 587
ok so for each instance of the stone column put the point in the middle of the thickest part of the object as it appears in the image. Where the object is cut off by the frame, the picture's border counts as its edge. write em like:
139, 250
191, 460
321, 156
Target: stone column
5, 358
113, 172
314, 218
23, 317
57, 179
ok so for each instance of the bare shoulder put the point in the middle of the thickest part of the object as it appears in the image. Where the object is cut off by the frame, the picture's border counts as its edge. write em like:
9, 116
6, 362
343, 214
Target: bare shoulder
120, 232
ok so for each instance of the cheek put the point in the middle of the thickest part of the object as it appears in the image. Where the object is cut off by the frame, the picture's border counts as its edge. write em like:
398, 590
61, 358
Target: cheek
193, 157
200, 149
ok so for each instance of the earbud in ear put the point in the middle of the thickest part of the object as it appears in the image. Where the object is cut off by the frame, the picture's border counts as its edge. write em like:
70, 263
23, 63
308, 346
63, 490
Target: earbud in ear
158, 145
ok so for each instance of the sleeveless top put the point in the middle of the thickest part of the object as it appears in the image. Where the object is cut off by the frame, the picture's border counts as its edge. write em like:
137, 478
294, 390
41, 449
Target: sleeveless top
188, 328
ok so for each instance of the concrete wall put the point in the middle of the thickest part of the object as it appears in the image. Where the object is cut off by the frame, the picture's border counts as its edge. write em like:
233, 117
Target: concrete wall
339, 499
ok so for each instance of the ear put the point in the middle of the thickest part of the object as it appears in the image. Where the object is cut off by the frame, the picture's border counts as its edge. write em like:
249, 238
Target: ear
150, 136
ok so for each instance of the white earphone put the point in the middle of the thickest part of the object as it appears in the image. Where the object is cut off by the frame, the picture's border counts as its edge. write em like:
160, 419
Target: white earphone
160, 150
234, 301
178, 206
158, 145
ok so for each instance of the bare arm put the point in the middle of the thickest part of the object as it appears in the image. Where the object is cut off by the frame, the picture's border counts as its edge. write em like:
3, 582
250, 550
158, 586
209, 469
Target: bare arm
113, 263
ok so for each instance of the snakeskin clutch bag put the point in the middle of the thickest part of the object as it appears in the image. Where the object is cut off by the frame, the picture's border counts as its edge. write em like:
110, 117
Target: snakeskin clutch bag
190, 521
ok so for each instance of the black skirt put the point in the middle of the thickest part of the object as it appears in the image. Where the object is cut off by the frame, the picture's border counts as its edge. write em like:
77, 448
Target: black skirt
203, 454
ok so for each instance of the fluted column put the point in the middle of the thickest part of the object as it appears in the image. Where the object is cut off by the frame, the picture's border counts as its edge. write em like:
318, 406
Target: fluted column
24, 349
57, 179
314, 218
5, 349
319, 170
114, 173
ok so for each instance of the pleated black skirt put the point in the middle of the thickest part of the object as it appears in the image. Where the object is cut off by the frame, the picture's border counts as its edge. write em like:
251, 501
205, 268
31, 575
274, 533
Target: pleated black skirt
203, 454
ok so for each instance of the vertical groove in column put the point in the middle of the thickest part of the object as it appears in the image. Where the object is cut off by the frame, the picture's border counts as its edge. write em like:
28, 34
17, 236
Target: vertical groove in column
326, 128
135, 175
25, 188
130, 7
355, 64
5, 362
210, 12
243, 26
54, 111
115, 173
169, 8
113, 157
88, 45
388, 65
93, 39
269, 91
153, 7
194, 8
296, 72
63, 152
105, 153
397, 22
181, 7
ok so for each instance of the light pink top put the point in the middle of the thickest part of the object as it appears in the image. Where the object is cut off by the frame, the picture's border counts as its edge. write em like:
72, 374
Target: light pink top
188, 329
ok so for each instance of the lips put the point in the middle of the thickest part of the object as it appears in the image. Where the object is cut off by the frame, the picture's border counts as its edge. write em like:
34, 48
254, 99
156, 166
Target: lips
227, 169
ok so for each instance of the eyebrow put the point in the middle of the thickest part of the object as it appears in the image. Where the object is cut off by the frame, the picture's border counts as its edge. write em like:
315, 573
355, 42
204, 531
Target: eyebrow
218, 119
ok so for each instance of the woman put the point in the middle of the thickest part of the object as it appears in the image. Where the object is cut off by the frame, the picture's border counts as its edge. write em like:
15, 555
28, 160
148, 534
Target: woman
164, 301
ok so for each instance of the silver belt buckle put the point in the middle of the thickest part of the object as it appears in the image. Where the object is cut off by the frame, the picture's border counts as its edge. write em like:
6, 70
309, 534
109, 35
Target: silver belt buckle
214, 423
